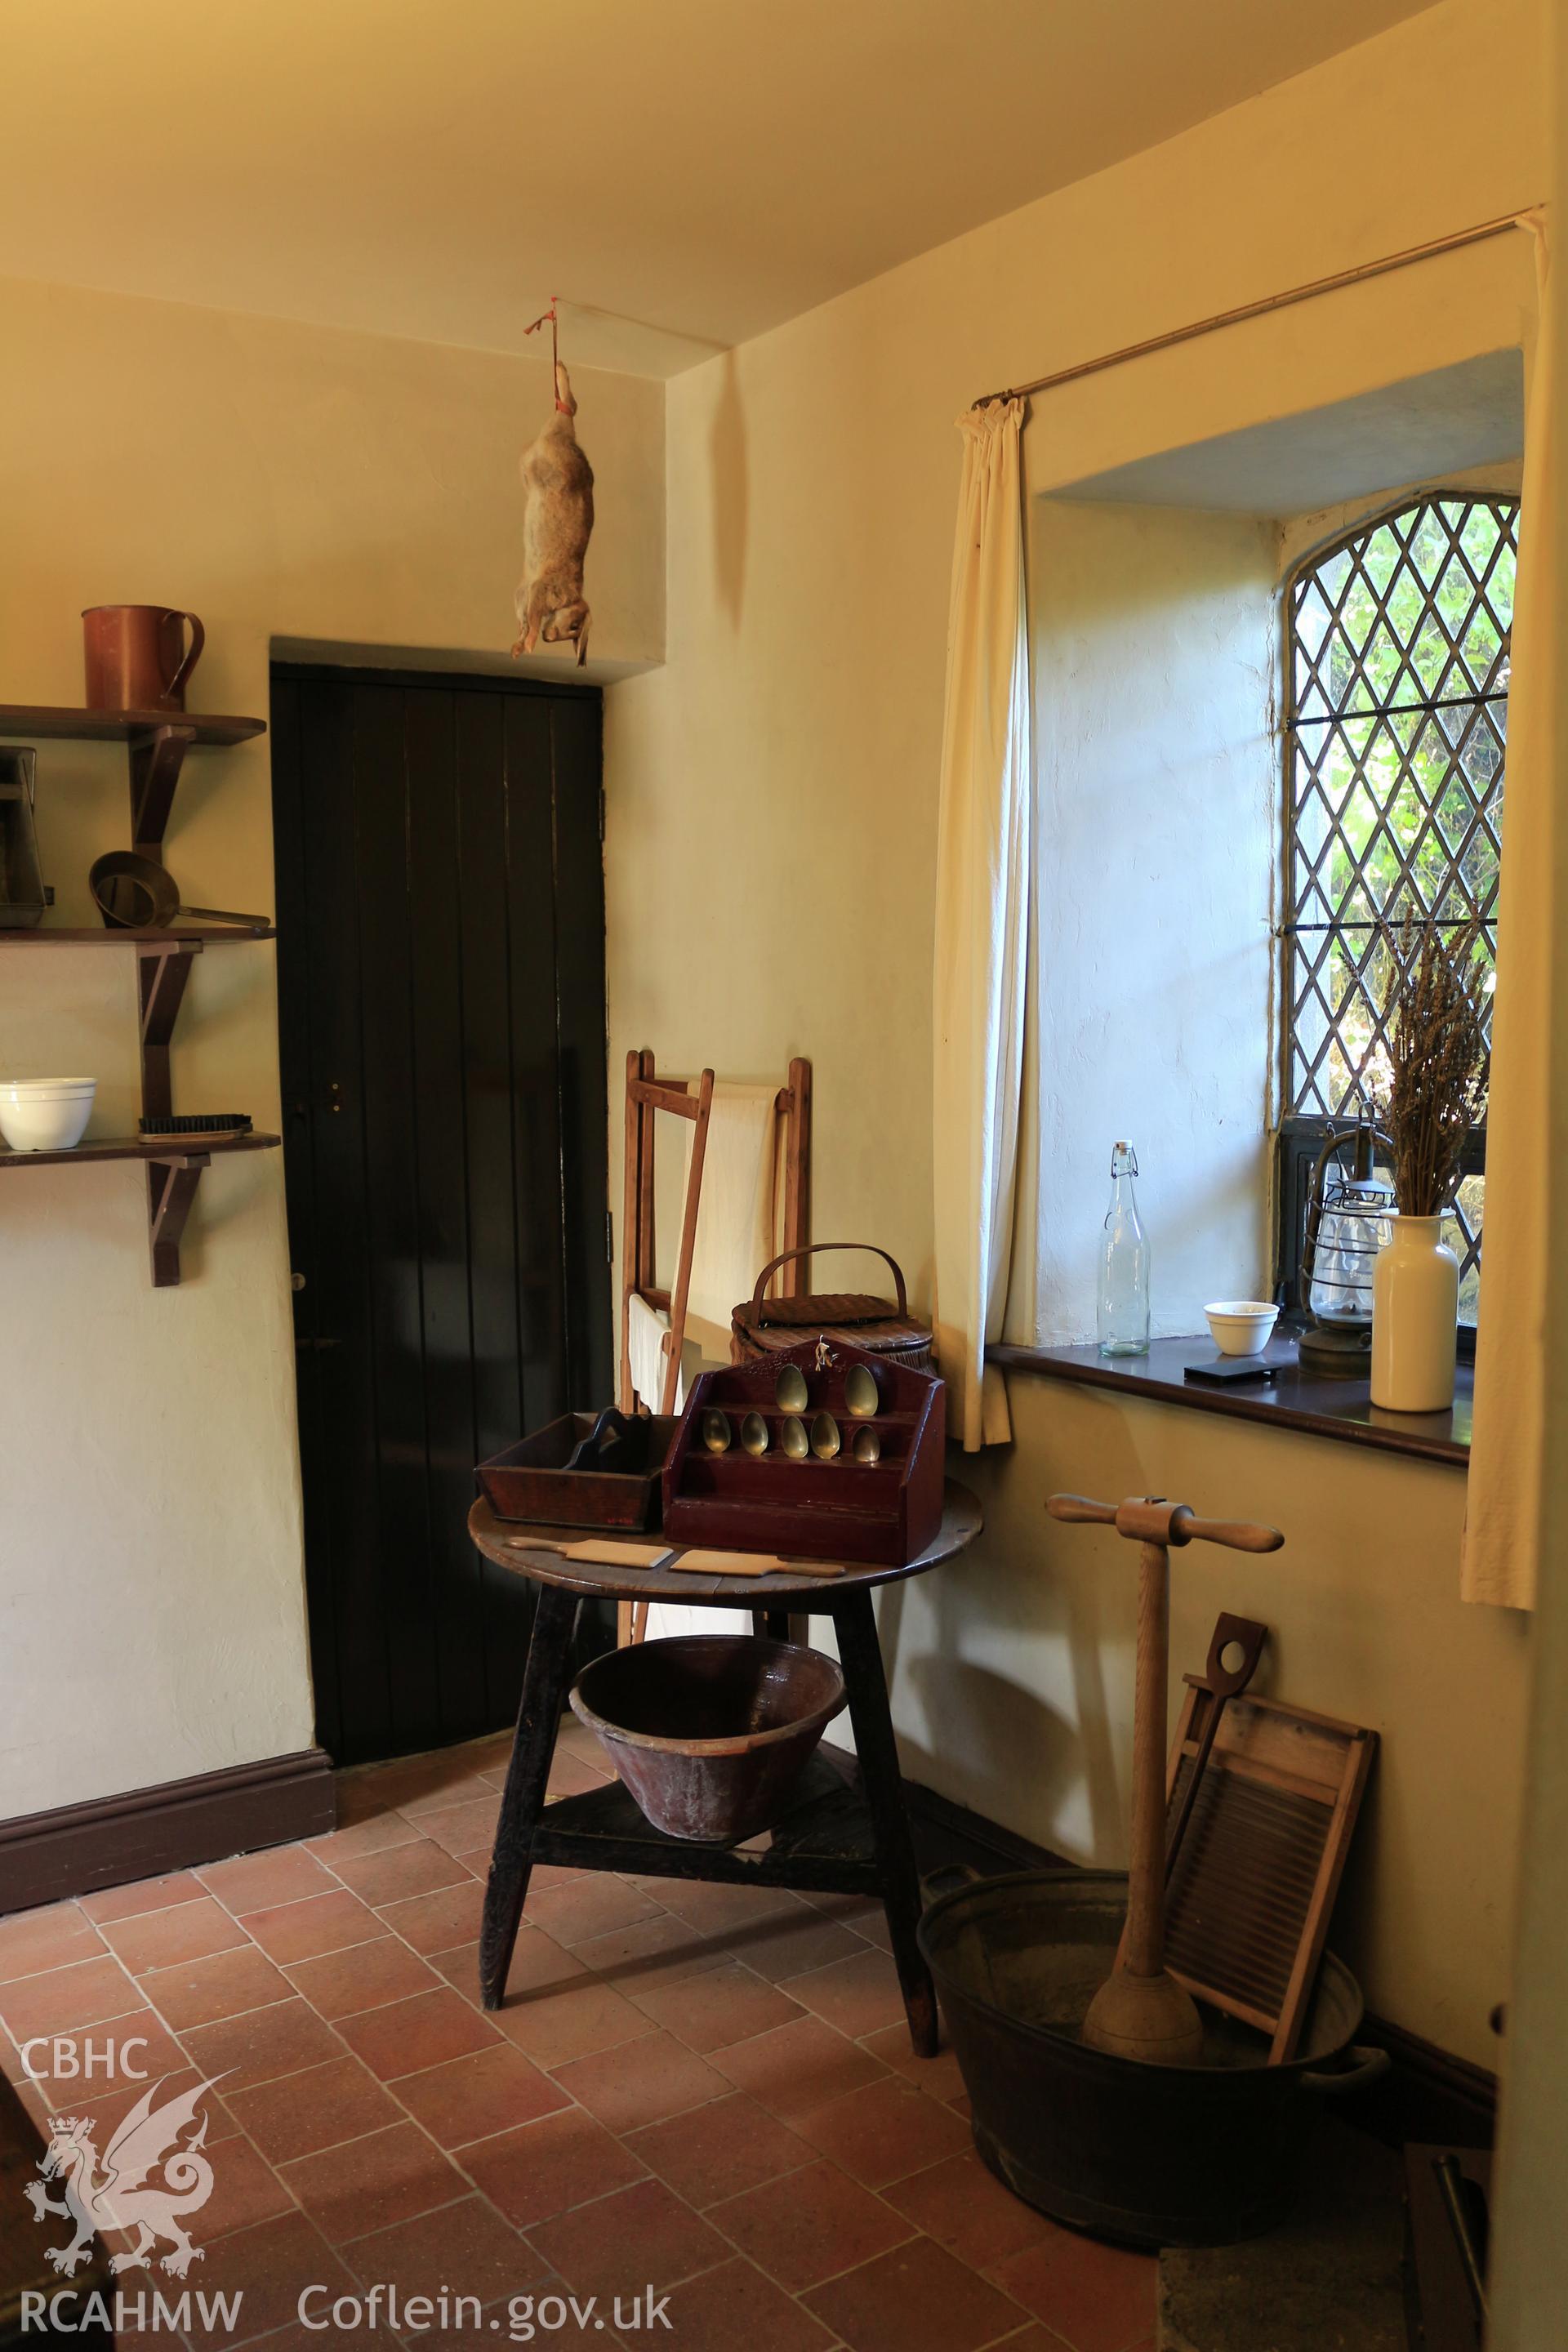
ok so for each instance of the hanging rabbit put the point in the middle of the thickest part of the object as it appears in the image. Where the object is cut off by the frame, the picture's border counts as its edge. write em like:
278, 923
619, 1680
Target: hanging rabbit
557, 522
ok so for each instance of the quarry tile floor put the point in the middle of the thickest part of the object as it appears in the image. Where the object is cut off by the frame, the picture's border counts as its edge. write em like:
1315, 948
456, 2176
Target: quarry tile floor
700, 2091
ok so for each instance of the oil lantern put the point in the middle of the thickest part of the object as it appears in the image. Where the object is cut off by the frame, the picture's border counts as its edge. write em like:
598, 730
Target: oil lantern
1347, 1224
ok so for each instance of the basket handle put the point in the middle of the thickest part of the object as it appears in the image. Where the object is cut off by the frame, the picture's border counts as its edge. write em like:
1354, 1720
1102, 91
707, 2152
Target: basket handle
810, 1250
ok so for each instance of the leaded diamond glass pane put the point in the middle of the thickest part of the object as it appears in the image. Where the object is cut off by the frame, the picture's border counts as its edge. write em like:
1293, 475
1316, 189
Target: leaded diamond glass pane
1462, 1232
1398, 685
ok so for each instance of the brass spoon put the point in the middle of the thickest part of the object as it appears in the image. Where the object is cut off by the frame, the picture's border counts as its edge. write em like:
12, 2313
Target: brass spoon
860, 1391
794, 1439
754, 1433
825, 1438
716, 1431
867, 1445
790, 1390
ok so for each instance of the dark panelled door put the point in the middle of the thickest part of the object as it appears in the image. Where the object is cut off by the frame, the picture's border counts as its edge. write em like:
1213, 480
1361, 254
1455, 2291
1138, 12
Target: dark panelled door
441, 1000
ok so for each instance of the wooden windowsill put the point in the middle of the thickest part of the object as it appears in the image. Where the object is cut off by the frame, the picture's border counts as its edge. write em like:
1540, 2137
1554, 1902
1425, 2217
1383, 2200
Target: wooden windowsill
1292, 1399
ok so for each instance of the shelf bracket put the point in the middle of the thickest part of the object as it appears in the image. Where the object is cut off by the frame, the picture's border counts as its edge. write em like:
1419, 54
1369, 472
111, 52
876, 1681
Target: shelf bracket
161, 972
163, 968
170, 1187
156, 759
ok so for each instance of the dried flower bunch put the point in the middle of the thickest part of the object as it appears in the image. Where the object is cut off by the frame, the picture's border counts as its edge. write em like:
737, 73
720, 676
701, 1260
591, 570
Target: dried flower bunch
1439, 1061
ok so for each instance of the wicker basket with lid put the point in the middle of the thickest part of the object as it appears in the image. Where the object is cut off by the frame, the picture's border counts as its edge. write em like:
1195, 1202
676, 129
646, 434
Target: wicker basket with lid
763, 1327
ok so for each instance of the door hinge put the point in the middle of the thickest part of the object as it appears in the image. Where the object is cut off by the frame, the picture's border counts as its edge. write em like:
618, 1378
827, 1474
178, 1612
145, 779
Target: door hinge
609, 1237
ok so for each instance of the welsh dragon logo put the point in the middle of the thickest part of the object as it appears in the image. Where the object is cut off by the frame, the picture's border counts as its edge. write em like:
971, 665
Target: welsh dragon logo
117, 2191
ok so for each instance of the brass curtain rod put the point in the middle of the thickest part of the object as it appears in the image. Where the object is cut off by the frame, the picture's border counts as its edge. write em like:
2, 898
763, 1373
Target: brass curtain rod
1259, 309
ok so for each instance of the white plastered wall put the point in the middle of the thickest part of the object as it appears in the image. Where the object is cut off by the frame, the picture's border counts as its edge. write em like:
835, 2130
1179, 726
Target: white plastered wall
1154, 650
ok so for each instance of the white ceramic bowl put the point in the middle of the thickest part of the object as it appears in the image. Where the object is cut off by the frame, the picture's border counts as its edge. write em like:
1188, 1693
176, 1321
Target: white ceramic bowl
1241, 1327
45, 1114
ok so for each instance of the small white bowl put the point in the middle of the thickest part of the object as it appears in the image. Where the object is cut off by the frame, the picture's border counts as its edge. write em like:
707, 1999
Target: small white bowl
45, 1114
1241, 1327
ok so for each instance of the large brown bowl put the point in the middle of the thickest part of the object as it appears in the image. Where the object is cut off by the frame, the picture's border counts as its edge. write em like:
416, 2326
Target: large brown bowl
710, 1731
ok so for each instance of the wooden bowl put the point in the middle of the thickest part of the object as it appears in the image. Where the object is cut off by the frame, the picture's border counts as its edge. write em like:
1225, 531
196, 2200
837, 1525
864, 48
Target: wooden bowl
710, 1731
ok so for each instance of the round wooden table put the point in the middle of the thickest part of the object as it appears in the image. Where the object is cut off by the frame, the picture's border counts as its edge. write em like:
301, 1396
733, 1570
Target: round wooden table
835, 1839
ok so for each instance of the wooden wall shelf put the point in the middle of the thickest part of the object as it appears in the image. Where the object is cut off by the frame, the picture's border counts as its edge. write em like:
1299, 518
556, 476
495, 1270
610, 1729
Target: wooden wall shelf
156, 740
148, 935
60, 722
172, 1176
159, 1148
156, 743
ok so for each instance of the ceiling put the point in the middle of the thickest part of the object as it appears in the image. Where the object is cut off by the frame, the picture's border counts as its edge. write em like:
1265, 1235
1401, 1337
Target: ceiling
684, 172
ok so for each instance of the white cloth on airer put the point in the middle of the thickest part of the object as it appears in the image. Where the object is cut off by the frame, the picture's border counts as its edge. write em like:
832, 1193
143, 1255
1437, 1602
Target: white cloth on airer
648, 1329
736, 1212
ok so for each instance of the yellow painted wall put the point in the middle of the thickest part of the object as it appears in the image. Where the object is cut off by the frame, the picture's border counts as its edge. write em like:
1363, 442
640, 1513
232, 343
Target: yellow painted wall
282, 481
1015, 1673
770, 867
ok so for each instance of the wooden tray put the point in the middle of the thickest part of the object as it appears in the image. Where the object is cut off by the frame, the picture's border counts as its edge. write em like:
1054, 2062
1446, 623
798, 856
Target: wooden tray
530, 1480
882, 1513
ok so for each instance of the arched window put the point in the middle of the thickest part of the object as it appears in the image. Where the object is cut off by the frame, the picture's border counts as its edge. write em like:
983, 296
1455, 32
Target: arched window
1396, 704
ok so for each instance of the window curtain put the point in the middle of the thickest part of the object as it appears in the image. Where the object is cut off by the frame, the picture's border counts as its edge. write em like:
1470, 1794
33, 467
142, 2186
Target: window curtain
1508, 1455
982, 920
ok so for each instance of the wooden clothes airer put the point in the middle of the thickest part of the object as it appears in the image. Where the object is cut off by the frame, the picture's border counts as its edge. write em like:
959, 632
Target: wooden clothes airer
646, 1096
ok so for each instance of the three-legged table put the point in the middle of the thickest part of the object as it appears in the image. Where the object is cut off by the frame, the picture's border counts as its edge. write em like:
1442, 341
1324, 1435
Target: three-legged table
833, 1840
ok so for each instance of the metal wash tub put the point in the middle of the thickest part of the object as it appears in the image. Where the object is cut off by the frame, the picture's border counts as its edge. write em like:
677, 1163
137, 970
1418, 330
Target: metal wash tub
1148, 2156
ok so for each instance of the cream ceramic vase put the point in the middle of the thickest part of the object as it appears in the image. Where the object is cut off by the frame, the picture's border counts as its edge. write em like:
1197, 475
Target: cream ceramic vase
1414, 1318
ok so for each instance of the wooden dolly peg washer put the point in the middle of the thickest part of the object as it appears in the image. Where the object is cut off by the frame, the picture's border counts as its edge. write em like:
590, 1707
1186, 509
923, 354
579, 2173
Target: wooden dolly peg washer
1141, 2011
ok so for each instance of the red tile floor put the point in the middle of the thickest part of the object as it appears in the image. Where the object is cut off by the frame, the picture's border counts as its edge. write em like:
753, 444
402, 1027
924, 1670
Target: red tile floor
702, 2090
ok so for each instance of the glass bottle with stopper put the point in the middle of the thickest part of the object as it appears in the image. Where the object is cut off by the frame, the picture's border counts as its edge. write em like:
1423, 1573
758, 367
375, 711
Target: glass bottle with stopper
1123, 1263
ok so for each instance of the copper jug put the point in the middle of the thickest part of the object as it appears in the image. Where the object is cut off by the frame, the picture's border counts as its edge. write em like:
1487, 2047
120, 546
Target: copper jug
137, 658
